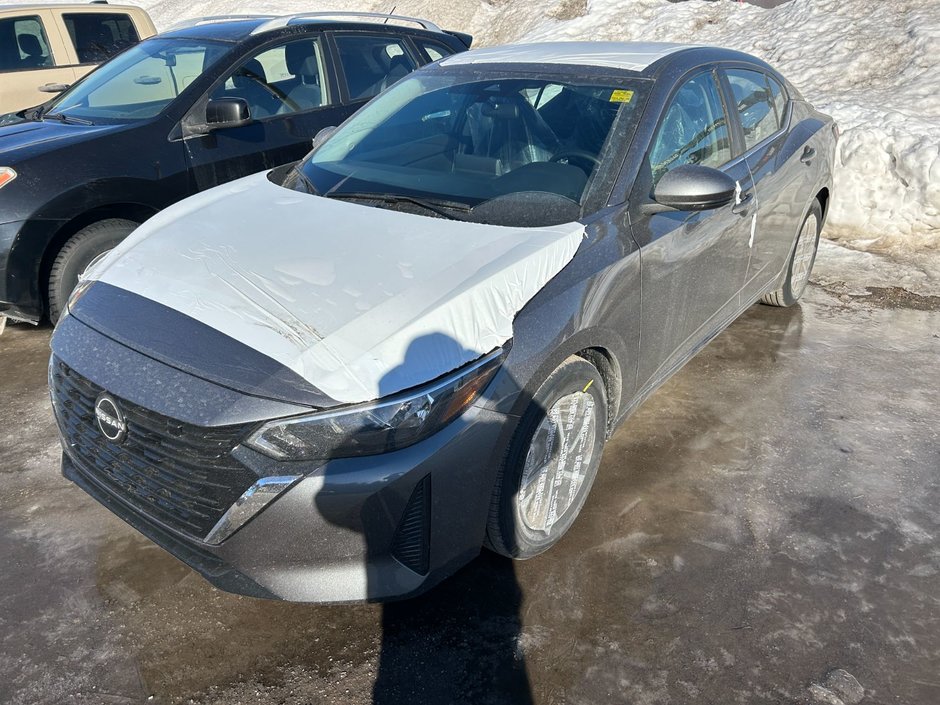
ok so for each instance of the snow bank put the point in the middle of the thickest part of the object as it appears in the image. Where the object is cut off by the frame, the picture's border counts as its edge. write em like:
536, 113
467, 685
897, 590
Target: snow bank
872, 64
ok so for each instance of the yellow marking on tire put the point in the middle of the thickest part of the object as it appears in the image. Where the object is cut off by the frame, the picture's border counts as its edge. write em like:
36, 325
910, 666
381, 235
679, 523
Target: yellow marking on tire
588, 386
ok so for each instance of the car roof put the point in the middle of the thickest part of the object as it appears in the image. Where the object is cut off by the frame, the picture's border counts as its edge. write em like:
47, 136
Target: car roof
84, 6
238, 27
629, 56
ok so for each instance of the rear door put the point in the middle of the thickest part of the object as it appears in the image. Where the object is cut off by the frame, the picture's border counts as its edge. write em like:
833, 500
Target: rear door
692, 263
32, 57
291, 92
761, 107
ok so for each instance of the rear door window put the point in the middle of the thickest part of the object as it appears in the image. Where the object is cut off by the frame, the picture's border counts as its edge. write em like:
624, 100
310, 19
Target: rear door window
99, 36
760, 114
23, 44
372, 63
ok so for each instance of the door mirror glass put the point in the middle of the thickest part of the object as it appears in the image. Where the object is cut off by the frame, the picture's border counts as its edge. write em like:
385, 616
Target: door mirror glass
694, 188
227, 112
323, 135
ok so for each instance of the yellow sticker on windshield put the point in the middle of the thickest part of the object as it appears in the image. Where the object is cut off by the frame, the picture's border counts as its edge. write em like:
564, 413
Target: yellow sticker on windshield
621, 96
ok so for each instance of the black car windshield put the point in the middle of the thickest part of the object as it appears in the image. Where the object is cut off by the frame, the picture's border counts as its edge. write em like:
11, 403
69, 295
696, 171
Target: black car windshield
138, 83
488, 146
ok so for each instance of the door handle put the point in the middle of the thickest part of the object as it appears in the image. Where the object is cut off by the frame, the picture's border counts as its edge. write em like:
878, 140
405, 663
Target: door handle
742, 204
808, 155
52, 87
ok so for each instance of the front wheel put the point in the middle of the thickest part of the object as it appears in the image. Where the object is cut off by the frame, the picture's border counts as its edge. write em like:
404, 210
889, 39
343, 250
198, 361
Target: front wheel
551, 463
801, 261
77, 253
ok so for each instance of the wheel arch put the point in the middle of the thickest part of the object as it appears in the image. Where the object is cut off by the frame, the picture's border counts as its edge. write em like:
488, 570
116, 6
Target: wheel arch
136, 212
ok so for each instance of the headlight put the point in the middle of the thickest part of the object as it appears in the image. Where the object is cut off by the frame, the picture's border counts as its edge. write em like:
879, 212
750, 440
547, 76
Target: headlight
6, 175
377, 427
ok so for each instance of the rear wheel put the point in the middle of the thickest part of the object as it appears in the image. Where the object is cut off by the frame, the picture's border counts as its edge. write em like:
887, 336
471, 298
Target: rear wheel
801, 261
551, 463
77, 253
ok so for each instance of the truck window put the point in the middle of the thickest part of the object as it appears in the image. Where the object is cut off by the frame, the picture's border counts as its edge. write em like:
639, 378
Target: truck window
98, 36
23, 44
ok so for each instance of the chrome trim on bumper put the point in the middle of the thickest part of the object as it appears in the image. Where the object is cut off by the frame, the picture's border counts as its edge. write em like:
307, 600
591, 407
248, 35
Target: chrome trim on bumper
252, 501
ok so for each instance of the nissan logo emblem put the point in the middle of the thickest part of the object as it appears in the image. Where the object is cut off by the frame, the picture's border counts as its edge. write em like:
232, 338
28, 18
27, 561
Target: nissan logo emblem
110, 419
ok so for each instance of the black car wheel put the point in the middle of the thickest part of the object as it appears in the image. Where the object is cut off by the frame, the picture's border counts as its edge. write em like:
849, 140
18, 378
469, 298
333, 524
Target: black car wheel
801, 261
77, 253
551, 462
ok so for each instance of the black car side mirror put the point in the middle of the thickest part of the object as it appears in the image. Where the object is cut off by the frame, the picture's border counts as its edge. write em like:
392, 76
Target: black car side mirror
323, 135
227, 112
691, 187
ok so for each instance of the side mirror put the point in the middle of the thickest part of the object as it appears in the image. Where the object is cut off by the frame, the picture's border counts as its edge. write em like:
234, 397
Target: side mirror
227, 112
323, 135
692, 188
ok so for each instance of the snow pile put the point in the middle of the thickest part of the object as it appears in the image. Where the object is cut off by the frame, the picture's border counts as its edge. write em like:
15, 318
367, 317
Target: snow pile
872, 64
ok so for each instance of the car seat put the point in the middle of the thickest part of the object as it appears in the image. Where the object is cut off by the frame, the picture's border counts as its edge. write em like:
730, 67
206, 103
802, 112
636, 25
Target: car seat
29, 45
249, 84
306, 93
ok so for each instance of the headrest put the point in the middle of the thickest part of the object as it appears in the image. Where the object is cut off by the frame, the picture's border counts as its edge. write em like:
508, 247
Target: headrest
309, 68
296, 53
251, 72
29, 44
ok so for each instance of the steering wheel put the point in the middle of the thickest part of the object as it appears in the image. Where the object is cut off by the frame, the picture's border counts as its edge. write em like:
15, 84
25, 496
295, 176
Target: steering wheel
567, 155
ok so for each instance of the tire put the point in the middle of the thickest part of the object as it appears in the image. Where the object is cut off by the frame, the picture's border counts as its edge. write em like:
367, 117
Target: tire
525, 514
77, 253
801, 261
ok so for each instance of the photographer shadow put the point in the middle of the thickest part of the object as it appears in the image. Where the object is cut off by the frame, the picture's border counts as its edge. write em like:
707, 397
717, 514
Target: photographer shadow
460, 641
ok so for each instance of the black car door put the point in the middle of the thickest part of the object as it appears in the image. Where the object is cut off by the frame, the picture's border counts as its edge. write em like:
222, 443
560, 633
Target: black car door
761, 107
291, 91
692, 263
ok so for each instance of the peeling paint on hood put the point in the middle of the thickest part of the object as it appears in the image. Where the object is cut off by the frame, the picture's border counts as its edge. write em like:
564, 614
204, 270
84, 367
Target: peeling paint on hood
339, 292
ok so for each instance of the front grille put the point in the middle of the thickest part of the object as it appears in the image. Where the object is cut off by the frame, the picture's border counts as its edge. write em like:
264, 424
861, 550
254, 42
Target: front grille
179, 474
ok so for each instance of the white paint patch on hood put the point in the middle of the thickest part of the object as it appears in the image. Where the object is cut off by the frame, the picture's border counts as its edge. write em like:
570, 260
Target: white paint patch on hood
343, 294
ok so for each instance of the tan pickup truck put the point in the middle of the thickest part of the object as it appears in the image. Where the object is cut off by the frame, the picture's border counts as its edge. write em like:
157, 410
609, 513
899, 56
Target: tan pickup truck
46, 48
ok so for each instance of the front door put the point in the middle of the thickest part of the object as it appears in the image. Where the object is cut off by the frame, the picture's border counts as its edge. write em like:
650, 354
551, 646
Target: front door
692, 263
291, 95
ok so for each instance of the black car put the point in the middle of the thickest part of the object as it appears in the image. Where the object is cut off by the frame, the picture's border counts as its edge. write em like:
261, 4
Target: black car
199, 105
338, 379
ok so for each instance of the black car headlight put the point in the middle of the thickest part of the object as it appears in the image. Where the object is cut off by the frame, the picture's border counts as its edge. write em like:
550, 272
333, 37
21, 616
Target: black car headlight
381, 426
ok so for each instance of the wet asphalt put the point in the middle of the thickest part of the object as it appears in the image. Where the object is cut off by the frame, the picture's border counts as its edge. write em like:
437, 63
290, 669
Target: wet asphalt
763, 530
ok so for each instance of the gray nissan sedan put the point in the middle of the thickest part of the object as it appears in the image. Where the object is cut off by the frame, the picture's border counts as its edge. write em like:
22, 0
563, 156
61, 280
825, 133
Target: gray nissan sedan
339, 379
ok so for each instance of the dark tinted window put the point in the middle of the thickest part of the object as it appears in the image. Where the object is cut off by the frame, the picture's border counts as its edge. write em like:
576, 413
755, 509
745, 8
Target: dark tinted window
99, 36
372, 63
694, 129
23, 44
755, 104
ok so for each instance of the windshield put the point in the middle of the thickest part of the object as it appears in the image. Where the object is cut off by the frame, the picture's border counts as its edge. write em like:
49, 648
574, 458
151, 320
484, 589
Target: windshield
139, 83
460, 141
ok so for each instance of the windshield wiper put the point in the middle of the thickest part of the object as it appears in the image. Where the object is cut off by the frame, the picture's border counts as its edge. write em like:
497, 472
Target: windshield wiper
67, 119
441, 207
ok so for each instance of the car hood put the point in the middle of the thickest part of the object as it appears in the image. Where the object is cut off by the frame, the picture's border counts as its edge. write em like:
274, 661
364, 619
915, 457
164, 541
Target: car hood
360, 302
19, 140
